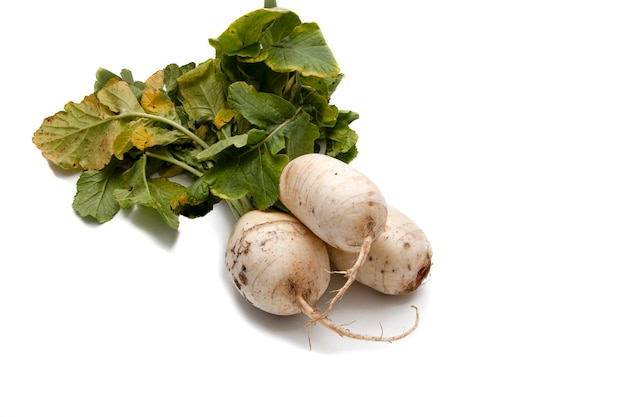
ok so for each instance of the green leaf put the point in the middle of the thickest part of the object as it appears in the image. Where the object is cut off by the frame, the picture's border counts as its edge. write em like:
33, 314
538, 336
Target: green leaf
127, 76
196, 200
204, 91
286, 125
325, 86
325, 113
304, 50
300, 135
171, 73
281, 28
238, 141
156, 193
342, 138
94, 193
243, 36
254, 173
163, 191
263, 110
102, 77
80, 136
135, 185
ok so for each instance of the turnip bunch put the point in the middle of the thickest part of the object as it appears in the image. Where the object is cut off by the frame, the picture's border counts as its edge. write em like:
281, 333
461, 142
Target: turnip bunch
281, 267
252, 127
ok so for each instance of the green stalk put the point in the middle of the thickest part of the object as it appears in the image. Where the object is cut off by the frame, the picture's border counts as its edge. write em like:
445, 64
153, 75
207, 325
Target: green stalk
175, 161
172, 123
240, 207
269, 4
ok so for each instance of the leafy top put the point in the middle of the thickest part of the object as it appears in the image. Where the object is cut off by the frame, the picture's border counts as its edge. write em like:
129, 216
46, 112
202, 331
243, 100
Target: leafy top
231, 123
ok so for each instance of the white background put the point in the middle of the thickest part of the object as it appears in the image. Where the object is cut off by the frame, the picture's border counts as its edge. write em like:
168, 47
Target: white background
498, 126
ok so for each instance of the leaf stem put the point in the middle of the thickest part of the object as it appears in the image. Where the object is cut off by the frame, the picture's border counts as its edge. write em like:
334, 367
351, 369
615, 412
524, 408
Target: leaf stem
175, 161
240, 207
172, 123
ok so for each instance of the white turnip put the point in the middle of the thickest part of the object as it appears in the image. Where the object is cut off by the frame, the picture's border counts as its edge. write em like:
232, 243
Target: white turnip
336, 202
272, 258
398, 261
281, 267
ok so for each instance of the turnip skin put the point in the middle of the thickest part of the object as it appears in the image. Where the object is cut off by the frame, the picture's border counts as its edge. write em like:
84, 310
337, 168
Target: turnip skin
272, 257
335, 201
398, 261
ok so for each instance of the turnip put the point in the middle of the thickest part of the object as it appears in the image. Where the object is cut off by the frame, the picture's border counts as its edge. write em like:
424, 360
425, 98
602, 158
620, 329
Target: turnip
398, 261
281, 267
336, 202
272, 259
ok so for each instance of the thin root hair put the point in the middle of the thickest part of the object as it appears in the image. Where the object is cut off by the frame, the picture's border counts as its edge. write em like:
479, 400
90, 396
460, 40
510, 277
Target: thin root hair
316, 317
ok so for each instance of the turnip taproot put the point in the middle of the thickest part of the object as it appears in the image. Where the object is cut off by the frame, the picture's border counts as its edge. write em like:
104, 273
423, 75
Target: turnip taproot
281, 267
336, 202
398, 261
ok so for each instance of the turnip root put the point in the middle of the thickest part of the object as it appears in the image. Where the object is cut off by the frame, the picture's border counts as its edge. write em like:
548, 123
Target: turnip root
337, 203
281, 267
398, 261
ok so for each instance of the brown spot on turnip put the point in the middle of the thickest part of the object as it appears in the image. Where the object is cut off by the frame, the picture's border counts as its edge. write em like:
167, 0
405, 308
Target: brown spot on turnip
245, 247
421, 274
243, 278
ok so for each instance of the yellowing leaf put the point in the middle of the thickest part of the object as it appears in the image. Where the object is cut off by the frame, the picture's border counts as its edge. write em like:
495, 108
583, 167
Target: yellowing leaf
119, 97
123, 142
80, 136
156, 80
148, 136
141, 137
224, 116
156, 102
